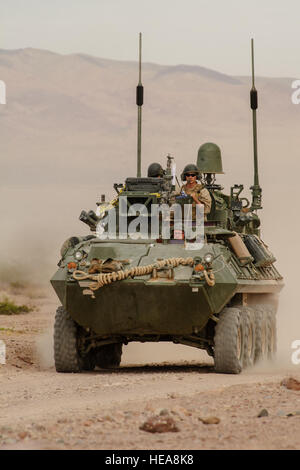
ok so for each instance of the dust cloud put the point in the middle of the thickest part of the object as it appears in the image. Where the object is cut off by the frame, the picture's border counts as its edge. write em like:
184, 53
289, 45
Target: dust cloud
44, 347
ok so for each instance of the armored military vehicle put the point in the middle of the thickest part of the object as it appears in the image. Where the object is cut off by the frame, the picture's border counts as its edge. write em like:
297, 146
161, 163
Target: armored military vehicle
218, 294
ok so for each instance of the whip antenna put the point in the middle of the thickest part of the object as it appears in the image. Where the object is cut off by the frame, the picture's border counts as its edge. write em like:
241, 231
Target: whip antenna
256, 189
139, 102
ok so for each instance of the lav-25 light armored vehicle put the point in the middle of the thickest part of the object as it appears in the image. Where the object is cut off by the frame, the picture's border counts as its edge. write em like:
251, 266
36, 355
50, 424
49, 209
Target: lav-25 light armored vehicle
218, 296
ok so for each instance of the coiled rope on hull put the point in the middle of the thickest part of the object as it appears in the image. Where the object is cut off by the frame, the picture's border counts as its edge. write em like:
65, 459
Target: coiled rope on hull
102, 279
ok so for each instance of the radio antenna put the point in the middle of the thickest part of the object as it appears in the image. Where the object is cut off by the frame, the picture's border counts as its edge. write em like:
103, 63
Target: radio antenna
139, 102
256, 189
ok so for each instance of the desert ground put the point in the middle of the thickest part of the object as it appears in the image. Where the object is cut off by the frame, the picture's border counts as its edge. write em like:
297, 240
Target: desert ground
164, 387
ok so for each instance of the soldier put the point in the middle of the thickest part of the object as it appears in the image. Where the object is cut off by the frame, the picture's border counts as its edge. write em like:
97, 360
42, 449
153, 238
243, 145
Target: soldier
196, 190
155, 170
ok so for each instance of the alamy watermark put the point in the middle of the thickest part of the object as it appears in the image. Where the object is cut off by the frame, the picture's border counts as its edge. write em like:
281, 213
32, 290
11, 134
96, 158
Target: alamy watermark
296, 94
2, 92
168, 222
296, 354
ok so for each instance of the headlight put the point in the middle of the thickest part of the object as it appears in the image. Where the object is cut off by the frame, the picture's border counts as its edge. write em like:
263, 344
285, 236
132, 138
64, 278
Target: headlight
208, 258
78, 255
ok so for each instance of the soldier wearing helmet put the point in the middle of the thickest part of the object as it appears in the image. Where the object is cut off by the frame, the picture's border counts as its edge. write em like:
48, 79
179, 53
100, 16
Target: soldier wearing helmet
155, 170
194, 189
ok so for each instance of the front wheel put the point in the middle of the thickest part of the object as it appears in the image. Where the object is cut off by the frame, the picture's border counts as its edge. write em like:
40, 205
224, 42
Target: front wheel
66, 354
230, 341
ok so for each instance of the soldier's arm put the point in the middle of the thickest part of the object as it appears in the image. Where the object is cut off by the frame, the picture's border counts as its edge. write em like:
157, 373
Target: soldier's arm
205, 199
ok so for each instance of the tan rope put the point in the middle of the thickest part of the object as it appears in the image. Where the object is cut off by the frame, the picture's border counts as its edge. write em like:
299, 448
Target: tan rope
210, 278
101, 279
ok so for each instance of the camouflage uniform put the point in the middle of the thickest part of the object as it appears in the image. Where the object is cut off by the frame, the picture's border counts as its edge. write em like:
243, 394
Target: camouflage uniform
202, 194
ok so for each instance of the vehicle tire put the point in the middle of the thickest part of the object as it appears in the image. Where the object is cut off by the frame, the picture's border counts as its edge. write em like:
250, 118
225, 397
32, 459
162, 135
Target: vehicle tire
109, 355
66, 355
272, 331
229, 341
249, 343
261, 333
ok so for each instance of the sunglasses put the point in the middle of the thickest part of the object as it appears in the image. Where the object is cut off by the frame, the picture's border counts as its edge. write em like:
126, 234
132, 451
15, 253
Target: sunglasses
191, 174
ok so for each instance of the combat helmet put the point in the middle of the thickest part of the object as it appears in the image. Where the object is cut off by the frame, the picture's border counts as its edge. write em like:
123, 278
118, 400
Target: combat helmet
155, 170
188, 169
209, 159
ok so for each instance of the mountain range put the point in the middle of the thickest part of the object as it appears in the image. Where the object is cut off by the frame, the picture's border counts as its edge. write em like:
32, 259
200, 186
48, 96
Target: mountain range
72, 119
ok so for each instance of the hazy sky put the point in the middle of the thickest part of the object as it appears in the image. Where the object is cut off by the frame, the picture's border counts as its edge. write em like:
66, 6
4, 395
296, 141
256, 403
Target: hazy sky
212, 33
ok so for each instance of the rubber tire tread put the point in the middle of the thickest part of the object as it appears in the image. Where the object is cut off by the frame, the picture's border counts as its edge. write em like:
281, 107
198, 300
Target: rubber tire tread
249, 320
272, 331
260, 323
66, 357
225, 341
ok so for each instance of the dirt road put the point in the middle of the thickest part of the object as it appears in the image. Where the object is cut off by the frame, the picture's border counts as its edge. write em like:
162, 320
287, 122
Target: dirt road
108, 409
